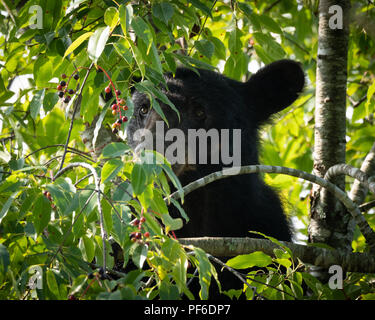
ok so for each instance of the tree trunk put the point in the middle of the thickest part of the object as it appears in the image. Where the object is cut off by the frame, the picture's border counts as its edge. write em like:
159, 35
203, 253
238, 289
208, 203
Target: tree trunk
330, 222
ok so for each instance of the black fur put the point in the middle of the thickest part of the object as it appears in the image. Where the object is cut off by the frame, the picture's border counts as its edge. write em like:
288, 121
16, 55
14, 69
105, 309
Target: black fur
232, 206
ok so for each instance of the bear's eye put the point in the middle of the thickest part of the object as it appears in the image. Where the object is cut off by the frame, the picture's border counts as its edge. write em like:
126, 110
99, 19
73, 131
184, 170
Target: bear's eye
200, 113
143, 111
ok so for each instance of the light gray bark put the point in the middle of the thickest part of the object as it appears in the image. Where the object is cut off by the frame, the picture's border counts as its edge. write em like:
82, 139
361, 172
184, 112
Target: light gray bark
339, 194
359, 190
226, 247
330, 222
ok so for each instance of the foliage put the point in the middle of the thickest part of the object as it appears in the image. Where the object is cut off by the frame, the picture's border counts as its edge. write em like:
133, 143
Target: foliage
52, 224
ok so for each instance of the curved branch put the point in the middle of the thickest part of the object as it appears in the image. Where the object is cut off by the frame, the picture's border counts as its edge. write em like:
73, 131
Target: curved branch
358, 191
366, 230
340, 169
224, 247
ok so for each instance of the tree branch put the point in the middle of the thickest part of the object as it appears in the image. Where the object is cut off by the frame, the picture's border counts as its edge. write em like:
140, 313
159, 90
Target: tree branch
359, 190
366, 230
359, 175
224, 247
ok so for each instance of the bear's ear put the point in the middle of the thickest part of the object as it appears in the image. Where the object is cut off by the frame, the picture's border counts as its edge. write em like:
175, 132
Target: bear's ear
274, 87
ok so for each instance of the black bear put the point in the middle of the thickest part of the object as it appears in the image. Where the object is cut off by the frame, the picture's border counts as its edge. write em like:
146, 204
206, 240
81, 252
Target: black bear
208, 100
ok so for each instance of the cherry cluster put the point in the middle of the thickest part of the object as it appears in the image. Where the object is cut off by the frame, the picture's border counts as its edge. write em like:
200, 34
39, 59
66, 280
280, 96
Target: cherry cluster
137, 235
64, 92
117, 107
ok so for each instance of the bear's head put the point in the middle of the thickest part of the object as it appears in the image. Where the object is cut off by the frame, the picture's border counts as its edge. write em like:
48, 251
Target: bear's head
210, 107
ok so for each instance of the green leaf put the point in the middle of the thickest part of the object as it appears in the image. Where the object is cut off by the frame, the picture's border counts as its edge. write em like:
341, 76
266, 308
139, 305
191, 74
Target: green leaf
50, 100
126, 15
284, 262
78, 229
77, 43
52, 283
273, 49
123, 192
123, 52
107, 216
138, 58
245, 261
110, 169
262, 54
138, 179
270, 24
115, 149
43, 70
36, 103
62, 192
234, 42
170, 62
170, 223
174, 179
87, 248
180, 209
139, 255
148, 87
97, 43
158, 202
245, 8
120, 226
141, 29
205, 47
111, 17
41, 213
4, 259
198, 4
370, 93
155, 104
155, 60
99, 123
205, 271
5, 209
163, 11
192, 63
220, 50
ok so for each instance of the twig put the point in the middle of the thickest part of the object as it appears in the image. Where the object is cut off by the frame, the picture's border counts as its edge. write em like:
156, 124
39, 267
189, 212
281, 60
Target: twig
97, 189
366, 230
77, 103
80, 180
60, 145
271, 6
367, 206
9, 11
235, 273
201, 29
358, 103
298, 46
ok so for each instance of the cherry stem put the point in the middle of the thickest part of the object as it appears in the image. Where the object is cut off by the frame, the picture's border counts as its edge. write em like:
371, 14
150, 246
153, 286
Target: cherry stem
74, 72
113, 86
